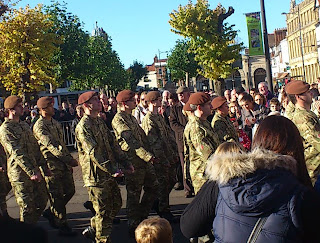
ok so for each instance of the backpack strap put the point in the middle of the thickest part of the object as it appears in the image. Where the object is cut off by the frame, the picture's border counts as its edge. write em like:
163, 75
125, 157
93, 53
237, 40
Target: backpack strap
256, 230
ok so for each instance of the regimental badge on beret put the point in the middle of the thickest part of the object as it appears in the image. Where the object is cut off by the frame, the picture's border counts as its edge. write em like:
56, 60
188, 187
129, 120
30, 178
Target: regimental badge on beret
199, 98
85, 97
152, 95
296, 87
11, 101
44, 102
187, 107
217, 102
125, 95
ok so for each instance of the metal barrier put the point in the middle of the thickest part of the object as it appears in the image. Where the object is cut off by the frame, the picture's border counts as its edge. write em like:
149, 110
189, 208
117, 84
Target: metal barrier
68, 133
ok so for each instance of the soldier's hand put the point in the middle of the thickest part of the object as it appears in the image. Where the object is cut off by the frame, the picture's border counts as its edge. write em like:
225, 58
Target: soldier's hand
129, 170
37, 177
154, 160
73, 163
119, 173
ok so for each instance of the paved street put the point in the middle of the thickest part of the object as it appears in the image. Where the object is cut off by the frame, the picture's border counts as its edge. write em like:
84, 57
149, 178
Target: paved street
79, 217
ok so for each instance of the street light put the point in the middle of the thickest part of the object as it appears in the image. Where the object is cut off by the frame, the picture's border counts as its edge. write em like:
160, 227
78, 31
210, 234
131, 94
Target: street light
301, 45
163, 84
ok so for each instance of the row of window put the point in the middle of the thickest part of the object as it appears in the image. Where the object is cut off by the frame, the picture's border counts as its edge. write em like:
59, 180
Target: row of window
306, 18
308, 44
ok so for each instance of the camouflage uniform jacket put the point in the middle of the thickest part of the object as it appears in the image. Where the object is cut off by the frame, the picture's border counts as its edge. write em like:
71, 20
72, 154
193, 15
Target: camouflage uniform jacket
290, 110
224, 128
50, 138
98, 151
309, 127
22, 150
200, 142
161, 139
131, 138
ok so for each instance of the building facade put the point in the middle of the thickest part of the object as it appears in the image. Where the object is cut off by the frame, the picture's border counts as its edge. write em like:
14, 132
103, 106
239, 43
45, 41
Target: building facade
302, 42
157, 76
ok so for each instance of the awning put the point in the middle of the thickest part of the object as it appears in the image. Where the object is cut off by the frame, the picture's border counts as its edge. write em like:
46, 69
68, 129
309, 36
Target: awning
282, 75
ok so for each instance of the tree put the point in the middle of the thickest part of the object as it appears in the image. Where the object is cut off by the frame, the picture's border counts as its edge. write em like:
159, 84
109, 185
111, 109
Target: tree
136, 72
104, 68
211, 40
72, 57
27, 49
182, 61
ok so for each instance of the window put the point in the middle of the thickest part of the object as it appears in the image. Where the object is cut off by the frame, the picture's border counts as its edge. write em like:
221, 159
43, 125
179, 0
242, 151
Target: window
160, 71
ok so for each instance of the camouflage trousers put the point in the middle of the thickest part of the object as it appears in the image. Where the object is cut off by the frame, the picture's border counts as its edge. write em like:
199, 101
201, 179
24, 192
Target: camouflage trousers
61, 189
198, 179
5, 188
166, 177
106, 202
32, 199
143, 177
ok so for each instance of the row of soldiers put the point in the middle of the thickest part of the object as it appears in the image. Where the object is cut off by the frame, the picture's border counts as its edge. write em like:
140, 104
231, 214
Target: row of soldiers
39, 165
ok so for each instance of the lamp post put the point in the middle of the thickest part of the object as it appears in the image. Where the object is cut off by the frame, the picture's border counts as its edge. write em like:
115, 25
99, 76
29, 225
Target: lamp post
163, 84
301, 45
266, 46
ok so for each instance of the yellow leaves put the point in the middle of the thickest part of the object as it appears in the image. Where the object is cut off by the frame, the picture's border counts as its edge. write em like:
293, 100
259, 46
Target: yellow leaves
27, 48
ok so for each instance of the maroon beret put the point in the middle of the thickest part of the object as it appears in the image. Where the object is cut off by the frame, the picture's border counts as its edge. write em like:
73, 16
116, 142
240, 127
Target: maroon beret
12, 101
187, 107
125, 95
152, 95
199, 98
296, 87
218, 101
44, 102
83, 98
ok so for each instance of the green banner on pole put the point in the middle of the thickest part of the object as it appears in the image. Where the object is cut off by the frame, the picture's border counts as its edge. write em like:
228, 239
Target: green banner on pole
254, 33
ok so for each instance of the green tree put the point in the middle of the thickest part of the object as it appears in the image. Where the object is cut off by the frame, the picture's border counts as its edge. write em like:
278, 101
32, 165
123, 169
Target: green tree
211, 40
136, 71
27, 48
104, 68
72, 58
182, 61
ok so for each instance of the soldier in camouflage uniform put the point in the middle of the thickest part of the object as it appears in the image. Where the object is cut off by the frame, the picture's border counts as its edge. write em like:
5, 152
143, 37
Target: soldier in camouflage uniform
5, 185
221, 123
133, 141
23, 161
163, 146
200, 141
308, 125
60, 184
98, 155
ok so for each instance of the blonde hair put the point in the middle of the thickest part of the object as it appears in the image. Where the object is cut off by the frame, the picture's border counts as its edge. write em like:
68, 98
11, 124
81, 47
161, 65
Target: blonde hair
229, 147
154, 230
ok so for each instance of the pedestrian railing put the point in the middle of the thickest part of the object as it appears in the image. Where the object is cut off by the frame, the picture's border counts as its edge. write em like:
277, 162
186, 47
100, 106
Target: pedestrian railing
68, 133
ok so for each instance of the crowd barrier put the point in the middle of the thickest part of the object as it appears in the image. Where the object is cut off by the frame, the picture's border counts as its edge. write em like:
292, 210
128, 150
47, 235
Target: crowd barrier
68, 133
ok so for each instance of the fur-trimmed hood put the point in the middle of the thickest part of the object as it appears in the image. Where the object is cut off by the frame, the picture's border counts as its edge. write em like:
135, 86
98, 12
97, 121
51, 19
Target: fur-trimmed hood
224, 167
255, 183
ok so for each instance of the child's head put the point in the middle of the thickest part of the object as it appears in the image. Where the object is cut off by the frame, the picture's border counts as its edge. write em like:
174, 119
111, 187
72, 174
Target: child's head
229, 147
274, 104
154, 230
235, 123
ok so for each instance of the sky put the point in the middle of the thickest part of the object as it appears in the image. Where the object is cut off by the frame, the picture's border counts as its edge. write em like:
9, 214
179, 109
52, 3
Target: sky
139, 28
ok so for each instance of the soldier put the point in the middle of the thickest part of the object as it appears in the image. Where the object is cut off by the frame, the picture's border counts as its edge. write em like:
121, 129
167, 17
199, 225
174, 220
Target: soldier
163, 146
23, 161
98, 155
60, 184
221, 123
200, 139
134, 143
5, 185
307, 123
